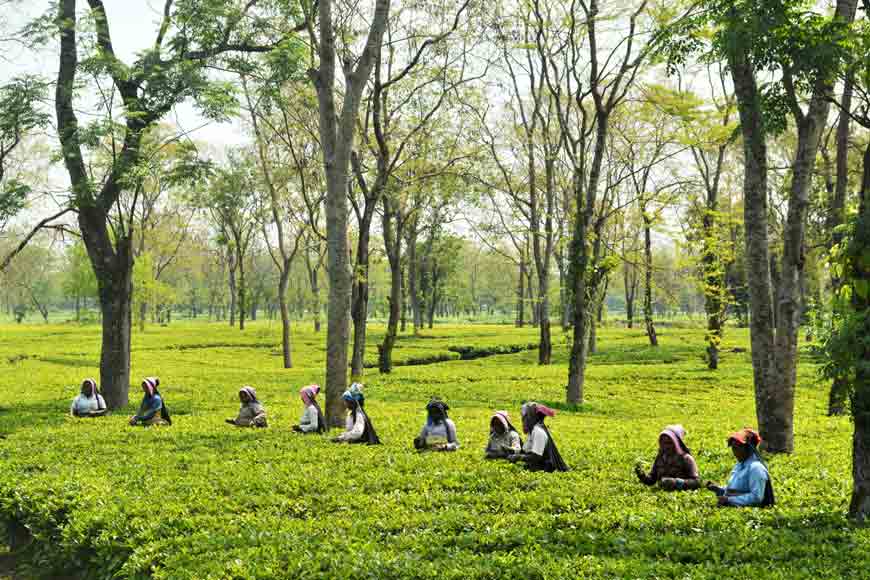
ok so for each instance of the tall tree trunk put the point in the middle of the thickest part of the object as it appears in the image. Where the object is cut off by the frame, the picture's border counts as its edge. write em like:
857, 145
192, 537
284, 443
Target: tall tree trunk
112, 264
233, 290
714, 283
242, 289
116, 304
859, 507
533, 303
336, 141
836, 217
755, 212
393, 245
413, 279
564, 303
583, 282
285, 318
521, 294
648, 271
404, 307
360, 293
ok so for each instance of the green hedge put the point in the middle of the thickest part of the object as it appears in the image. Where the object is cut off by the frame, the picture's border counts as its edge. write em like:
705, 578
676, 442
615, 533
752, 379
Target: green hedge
203, 500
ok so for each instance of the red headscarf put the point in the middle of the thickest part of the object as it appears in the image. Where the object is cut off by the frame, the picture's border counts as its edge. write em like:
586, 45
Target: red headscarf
746, 436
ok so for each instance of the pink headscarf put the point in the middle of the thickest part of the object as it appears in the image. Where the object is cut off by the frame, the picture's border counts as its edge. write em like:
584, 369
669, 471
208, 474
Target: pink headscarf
309, 393
676, 433
248, 390
530, 410
151, 384
503, 418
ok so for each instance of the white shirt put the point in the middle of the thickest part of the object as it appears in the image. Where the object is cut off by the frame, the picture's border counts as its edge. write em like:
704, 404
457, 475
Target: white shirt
84, 405
354, 429
308, 422
537, 441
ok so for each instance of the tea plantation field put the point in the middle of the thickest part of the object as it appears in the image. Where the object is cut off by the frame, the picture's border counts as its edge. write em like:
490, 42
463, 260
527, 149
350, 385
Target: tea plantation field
201, 499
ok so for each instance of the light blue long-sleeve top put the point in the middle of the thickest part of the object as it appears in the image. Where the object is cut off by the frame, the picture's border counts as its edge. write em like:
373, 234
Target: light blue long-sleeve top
747, 482
150, 406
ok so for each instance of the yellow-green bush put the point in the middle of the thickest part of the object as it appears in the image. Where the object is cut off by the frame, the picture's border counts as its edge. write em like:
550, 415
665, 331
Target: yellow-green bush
201, 499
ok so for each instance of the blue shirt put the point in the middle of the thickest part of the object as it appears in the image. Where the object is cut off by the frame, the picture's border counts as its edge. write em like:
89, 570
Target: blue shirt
150, 407
747, 483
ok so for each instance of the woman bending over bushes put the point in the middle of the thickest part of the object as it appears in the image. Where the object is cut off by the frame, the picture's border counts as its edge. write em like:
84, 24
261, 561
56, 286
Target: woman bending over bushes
153, 410
252, 413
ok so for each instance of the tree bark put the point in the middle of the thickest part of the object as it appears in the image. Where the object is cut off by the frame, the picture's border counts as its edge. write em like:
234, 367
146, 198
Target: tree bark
240, 259
232, 284
413, 281
859, 507
360, 290
404, 306
336, 139
767, 400
836, 217
286, 350
648, 271
521, 294
392, 242
583, 282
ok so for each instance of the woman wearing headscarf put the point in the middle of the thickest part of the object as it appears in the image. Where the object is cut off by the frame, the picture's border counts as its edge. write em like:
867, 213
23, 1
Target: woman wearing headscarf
312, 420
674, 467
153, 410
359, 428
439, 431
504, 439
749, 484
252, 413
539, 452
89, 402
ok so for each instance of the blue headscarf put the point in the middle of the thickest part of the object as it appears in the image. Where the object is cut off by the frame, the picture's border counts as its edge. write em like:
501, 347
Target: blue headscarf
355, 394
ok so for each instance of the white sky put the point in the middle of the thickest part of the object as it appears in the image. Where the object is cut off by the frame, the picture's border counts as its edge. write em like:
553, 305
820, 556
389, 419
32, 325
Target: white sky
133, 24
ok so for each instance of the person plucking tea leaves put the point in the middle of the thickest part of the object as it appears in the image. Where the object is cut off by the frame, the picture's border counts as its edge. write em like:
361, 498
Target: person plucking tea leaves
749, 484
539, 451
359, 428
439, 431
674, 467
153, 410
251, 413
504, 439
89, 402
312, 420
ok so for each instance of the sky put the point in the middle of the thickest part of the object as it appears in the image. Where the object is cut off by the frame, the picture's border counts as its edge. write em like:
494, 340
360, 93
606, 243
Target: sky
133, 25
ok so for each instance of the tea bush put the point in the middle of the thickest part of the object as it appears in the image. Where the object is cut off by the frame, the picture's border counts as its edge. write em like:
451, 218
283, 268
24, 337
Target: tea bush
201, 499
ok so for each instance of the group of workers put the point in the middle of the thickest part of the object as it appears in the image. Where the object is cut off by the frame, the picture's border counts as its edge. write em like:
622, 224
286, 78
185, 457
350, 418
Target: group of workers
674, 468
